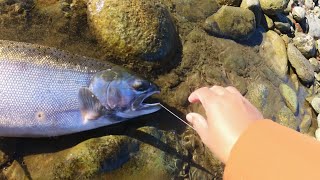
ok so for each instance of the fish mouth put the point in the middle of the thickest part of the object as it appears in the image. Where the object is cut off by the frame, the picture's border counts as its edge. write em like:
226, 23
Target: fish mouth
142, 103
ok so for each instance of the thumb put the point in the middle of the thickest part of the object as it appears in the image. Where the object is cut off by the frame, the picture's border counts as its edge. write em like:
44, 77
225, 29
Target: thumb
199, 123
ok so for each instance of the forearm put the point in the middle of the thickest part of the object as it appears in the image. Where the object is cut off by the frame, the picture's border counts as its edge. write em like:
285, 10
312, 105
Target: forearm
267, 150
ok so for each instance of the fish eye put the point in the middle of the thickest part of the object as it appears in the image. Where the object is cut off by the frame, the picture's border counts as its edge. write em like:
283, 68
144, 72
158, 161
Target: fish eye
140, 85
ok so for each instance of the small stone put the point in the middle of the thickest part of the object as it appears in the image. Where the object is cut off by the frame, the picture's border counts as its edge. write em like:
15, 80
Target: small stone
316, 11
309, 4
271, 7
316, 64
286, 118
299, 13
318, 45
270, 23
290, 97
14, 171
274, 51
315, 103
283, 23
305, 123
314, 25
306, 44
302, 66
295, 81
231, 22
317, 76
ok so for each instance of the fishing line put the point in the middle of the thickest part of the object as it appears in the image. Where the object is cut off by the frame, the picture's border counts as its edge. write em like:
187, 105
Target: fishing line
176, 116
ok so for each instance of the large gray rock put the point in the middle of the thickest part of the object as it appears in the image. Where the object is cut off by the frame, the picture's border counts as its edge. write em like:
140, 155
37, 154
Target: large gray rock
306, 44
314, 25
271, 7
274, 51
231, 22
134, 29
302, 66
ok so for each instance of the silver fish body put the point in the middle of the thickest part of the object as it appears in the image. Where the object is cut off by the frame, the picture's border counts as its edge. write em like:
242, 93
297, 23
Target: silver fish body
48, 92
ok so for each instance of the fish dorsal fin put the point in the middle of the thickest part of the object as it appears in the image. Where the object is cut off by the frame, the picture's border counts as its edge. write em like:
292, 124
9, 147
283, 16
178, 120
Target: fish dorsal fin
90, 106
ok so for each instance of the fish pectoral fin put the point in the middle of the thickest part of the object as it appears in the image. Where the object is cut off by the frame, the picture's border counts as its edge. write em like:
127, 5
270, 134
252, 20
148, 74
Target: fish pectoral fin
90, 106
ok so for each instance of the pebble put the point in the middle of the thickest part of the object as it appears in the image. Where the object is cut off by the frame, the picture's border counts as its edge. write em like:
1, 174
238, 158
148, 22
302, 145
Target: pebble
316, 64
273, 49
314, 25
315, 103
299, 13
290, 97
302, 66
309, 4
306, 44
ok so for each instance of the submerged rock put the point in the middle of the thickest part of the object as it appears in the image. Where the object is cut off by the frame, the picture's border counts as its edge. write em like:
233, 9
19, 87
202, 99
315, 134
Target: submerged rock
302, 66
274, 51
231, 22
290, 97
271, 7
306, 44
134, 29
286, 118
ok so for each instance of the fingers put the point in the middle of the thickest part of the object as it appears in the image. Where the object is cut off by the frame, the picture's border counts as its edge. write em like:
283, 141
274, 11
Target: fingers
199, 123
206, 93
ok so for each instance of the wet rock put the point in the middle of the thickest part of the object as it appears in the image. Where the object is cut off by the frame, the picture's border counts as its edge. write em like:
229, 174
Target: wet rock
283, 23
318, 45
315, 64
229, 2
286, 118
195, 10
231, 22
14, 171
315, 103
302, 66
258, 95
305, 123
290, 97
314, 25
271, 7
134, 29
3, 158
306, 44
295, 81
274, 51
299, 13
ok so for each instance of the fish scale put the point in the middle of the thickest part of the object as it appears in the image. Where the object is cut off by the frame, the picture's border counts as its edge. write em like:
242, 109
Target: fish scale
39, 90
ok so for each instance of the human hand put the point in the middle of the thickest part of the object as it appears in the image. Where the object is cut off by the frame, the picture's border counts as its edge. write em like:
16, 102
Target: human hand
228, 115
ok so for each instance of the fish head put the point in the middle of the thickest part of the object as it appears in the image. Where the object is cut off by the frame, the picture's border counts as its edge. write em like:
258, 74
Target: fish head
123, 93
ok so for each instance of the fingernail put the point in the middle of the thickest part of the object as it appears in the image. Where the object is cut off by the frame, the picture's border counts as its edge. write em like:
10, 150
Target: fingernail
189, 117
